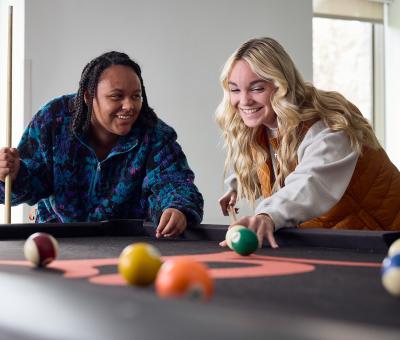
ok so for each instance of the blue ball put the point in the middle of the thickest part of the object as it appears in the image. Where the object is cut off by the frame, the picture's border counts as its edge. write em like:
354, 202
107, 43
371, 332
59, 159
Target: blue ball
391, 274
390, 262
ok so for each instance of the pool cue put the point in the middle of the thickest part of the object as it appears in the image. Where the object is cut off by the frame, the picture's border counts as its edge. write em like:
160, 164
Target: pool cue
8, 182
232, 213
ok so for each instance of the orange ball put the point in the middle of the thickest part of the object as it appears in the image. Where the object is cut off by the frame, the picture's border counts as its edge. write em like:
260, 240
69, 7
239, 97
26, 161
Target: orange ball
183, 277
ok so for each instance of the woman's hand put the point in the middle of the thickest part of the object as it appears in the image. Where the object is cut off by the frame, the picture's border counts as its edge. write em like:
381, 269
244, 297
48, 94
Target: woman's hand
228, 201
261, 224
172, 223
9, 163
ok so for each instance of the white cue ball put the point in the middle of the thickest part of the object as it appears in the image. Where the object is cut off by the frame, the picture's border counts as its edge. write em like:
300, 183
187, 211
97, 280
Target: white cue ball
394, 248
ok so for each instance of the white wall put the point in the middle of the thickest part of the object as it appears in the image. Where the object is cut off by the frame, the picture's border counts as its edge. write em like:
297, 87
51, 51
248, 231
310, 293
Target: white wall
181, 46
392, 81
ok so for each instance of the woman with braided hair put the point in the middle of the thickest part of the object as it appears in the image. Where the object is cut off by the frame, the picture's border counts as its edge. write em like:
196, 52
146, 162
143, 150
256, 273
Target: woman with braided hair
309, 155
103, 154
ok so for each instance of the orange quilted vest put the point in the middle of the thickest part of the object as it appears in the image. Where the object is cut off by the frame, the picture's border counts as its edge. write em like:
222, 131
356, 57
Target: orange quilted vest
371, 201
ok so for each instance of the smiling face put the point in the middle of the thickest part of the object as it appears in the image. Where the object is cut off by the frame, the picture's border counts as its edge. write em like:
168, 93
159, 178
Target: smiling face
116, 104
251, 96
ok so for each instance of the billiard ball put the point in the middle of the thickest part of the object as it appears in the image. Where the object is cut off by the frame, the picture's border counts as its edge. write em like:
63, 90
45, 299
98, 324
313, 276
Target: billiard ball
40, 249
244, 241
184, 278
139, 263
394, 248
230, 232
391, 274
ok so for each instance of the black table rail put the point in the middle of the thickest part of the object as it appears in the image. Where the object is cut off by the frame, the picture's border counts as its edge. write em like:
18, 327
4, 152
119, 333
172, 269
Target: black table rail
363, 240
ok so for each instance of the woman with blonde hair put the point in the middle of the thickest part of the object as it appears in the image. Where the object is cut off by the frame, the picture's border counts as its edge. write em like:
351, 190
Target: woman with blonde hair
309, 154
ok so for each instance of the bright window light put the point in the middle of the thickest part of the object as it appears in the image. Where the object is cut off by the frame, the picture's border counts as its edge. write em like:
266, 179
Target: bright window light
343, 60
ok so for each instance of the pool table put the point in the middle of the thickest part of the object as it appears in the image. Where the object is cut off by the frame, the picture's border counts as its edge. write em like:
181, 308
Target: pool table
319, 284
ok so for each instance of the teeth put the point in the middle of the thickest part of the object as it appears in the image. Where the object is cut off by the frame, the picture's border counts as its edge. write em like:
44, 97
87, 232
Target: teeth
250, 110
123, 117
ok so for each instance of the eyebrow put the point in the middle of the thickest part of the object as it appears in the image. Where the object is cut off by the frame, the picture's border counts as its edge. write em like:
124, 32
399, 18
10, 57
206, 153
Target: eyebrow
121, 90
251, 83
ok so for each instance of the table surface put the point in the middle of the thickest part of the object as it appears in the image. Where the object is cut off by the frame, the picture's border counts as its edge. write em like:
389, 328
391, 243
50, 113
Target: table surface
320, 291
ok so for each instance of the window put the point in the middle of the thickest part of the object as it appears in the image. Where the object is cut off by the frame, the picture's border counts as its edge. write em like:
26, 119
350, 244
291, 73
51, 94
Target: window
348, 55
343, 60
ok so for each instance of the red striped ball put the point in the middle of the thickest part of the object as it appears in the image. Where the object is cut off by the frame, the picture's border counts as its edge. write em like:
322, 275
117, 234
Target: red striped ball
40, 249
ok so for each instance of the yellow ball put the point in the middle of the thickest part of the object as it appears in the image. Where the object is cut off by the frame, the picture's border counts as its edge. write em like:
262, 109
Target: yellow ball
139, 264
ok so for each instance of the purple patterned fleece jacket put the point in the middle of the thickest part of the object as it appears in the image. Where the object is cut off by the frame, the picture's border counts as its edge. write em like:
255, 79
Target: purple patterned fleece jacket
145, 173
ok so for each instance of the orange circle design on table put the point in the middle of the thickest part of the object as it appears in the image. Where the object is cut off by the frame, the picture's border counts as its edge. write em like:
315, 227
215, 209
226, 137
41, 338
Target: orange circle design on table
259, 266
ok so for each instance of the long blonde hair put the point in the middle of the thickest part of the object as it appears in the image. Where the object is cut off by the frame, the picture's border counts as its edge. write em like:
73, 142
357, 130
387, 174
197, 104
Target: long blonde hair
294, 102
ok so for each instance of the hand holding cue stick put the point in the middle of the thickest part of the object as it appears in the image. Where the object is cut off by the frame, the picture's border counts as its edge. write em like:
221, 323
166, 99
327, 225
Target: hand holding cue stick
232, 214
8, 182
